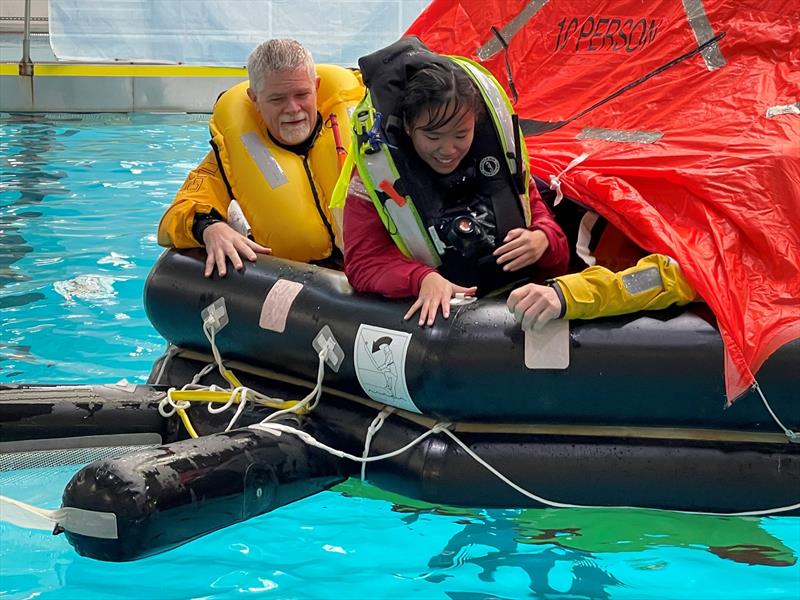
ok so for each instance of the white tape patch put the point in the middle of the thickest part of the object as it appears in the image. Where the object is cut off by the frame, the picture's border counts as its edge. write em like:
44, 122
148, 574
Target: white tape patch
277, 305
548, 348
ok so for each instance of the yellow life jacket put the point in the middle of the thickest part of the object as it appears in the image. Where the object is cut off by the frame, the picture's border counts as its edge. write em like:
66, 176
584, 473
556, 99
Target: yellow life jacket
285, 197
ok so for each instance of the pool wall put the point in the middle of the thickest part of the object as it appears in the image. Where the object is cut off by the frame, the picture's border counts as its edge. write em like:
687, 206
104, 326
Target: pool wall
115, 88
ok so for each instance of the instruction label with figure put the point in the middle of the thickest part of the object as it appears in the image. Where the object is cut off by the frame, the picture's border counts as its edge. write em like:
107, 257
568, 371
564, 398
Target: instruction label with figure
380, 362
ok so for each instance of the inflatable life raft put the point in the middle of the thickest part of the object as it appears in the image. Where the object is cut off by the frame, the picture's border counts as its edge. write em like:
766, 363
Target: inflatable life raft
628, 411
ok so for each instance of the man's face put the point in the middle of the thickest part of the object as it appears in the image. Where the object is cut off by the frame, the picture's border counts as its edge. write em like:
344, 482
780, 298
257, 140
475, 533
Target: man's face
287, 102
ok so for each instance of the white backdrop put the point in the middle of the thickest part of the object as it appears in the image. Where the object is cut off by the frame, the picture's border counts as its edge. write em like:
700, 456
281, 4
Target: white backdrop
223, 32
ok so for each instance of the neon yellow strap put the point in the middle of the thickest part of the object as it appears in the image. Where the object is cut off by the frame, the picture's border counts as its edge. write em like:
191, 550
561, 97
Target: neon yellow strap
339, 196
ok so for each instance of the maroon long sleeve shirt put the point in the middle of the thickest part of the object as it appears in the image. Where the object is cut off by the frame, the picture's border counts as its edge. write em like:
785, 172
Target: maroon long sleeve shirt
374, 263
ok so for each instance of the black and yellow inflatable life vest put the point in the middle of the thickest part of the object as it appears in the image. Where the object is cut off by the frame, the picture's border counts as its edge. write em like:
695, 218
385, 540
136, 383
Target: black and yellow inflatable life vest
285, 197
452, 222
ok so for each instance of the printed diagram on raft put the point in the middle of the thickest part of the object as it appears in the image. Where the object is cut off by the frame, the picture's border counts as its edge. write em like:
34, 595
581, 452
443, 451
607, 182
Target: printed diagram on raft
380, 362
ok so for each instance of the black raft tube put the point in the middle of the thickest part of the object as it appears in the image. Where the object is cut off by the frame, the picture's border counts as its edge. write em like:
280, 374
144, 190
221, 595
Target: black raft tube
168, 495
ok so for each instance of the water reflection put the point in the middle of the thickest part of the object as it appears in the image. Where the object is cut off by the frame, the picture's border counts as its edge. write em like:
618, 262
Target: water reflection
553, 572
27, 180
581, 535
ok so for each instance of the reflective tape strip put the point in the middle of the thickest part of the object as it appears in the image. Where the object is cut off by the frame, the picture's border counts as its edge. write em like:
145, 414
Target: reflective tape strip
403, 217
784, 109
642, 281
493, 46
266, 162
619, 135
701, 27
379, 168
492, 92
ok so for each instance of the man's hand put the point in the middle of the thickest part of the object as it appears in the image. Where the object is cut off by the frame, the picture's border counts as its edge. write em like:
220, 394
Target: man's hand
534, 305
223, 242
521, 248
435, 291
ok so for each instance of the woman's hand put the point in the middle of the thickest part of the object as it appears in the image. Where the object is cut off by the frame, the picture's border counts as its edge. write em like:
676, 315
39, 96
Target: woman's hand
435, 291
534, 305
521, 248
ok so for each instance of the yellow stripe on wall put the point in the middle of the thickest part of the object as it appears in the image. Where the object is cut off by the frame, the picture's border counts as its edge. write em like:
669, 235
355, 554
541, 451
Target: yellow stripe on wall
125, 70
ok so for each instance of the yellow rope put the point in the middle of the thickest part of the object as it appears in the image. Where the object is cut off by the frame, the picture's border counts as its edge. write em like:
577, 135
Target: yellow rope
186, 423
222, 396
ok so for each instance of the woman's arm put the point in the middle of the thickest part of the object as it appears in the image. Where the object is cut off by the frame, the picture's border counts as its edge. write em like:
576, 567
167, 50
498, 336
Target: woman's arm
543, 244
372, 261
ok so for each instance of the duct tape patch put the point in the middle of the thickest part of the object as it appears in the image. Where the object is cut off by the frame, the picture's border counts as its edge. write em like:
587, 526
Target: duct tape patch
548, 348
277, 304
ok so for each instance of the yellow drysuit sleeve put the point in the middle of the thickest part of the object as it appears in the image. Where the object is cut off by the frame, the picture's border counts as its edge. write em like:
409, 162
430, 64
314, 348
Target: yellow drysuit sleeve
655, 282
203, 190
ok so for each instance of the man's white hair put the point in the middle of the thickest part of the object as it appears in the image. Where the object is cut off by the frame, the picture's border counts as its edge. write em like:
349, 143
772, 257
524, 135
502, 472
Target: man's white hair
277, 55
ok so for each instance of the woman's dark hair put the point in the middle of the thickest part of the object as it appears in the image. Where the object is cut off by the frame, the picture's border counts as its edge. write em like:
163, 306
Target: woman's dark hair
441, 91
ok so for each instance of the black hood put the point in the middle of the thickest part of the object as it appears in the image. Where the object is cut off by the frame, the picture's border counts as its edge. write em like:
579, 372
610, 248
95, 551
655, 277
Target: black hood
386, 73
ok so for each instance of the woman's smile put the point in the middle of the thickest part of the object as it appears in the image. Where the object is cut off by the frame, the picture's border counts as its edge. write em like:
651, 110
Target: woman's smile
443, 148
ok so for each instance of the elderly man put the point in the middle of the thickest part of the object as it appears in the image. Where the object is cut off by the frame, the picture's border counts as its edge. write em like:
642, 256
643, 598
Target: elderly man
277, 149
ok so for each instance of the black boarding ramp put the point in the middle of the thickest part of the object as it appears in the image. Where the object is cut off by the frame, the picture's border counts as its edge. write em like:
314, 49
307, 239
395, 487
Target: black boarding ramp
140, 495
53, 417
656, 369
687, 469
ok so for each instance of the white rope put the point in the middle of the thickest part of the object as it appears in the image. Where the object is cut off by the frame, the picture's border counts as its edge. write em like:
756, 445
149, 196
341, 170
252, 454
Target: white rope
792, 435
554, 504
312, 400
505, 479
242, 393
168, 405
231, 398
373, 428
555, 180
168, 356
211, 335
278, 428
200, 374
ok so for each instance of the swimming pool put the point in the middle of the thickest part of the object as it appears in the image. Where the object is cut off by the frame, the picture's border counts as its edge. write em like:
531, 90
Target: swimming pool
79, 201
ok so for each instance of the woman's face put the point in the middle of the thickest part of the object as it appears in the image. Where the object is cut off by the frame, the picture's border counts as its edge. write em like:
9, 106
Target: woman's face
443, 148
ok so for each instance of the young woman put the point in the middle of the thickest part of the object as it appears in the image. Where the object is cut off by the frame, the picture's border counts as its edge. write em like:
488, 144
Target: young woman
442, 204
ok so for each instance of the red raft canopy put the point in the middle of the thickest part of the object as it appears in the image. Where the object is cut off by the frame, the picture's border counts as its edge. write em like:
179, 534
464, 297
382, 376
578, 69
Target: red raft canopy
690, 115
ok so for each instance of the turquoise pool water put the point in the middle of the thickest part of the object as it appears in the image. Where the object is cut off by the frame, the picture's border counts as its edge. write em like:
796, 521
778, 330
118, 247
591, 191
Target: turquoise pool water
79, 203
80, 199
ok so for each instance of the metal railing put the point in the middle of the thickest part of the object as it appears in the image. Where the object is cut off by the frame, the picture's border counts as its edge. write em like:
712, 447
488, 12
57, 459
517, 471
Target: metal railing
26, 64
16, 24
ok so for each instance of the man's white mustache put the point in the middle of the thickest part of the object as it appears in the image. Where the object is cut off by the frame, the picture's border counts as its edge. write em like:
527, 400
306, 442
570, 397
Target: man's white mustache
292, 118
